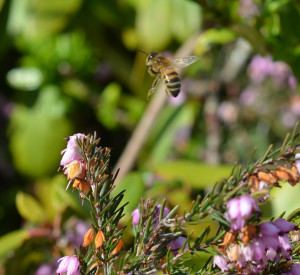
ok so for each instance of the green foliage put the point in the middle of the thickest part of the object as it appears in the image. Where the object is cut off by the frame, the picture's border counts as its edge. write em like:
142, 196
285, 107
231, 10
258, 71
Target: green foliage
12, 241
134, 186
192, 173
29, 208
34, 144
158, 21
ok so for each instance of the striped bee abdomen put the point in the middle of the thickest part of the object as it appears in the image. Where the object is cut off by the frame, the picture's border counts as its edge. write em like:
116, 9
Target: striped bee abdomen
172, 81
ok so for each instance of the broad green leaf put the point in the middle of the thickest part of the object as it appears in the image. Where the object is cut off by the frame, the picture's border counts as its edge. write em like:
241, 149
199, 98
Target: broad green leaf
62, 198
30, 209
107, 108
153, 24
37, 137
193, 173
37, 19
285, 198
185, 19
11, 241
133, 183
25, 79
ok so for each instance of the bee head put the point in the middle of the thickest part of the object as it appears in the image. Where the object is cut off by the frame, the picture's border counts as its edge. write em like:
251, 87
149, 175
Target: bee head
150, 58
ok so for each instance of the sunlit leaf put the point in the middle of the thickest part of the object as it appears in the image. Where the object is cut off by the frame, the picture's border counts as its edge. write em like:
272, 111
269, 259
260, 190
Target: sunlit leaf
152, 24
37, 19
11, 241
29, 208
26, 79
185, 19
133, 183
193, 173
107, 108
212, 37
36, 139
285, 198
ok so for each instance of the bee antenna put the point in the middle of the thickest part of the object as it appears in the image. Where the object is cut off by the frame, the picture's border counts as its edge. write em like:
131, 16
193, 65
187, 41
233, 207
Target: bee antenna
142, 52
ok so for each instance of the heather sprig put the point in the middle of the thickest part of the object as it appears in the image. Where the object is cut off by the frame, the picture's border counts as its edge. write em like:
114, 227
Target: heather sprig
243, 243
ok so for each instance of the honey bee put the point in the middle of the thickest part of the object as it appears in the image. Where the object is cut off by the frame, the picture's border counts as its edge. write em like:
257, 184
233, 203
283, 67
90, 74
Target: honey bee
164, 68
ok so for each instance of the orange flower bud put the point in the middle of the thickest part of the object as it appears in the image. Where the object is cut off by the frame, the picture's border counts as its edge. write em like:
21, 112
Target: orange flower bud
82, 185
269, 178
76, 169
88, 237
99, 240
119, 246
229, 238
248, 233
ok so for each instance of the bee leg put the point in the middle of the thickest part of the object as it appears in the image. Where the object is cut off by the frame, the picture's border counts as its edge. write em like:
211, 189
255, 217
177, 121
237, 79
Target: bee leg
152, 90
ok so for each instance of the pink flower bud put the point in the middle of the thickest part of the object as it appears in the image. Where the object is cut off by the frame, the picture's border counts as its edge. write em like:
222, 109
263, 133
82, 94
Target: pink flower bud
221, 262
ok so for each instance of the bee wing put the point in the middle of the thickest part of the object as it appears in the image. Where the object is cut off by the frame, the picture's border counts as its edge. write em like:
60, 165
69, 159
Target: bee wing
184, 61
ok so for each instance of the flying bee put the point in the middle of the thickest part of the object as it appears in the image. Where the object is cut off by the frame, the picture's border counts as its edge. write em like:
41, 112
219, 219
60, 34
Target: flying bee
164, 68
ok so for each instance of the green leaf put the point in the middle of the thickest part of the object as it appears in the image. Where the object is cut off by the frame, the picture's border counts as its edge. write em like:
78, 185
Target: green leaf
211, 37
33, 20
185, 19
193, 173
153, 23
107, 108
37, 137
285, 198
133, 183
29, 208
11, 241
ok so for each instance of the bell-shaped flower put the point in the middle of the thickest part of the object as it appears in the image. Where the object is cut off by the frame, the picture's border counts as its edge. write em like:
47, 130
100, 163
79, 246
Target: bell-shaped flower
69, 264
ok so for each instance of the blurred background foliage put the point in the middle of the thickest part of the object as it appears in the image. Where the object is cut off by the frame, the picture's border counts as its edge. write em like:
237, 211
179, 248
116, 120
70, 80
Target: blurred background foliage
72, 66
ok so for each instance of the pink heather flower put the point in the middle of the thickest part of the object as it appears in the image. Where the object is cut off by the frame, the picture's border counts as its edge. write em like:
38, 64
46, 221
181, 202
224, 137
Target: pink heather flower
70, 153
268, 228
69, 264
247, 252
297, 162
258, 248
221, 262
135, 217
227, 111
292, 82
249, 96
284, 242
295, 269
270, 241
260, 68
271, 254
240, 209
284, 225
176, 244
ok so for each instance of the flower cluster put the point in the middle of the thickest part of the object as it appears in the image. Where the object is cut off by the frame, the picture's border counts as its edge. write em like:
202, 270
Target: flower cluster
268, 243
250, 247
74, 166
262, 67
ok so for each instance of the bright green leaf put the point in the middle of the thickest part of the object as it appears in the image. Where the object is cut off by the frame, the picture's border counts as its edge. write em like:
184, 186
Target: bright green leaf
29, 208
193, 173
11, 241
211, 37
133, 183
285, 198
